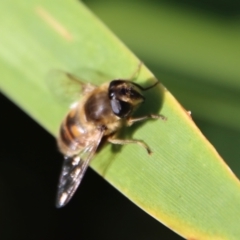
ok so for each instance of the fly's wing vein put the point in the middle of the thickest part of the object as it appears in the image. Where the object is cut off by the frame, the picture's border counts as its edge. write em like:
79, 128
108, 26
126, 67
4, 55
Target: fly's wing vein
73, 171
66, 87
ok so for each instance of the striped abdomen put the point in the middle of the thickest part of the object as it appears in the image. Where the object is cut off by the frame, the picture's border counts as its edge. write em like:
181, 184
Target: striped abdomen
73, 134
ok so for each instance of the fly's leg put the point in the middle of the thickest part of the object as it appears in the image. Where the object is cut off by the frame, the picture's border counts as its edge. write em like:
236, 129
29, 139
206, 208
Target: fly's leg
134, 76
136, 72
129, 141
130, 121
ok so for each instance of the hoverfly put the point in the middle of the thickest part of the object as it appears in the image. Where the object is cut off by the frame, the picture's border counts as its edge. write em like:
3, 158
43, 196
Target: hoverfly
102, 111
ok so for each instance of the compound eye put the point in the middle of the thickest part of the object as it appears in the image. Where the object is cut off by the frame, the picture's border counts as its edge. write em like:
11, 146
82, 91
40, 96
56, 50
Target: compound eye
120, 108
123, 91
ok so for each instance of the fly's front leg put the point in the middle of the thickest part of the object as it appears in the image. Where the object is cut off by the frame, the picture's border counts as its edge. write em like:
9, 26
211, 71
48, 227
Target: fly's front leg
136, 72
130, 121
129, 141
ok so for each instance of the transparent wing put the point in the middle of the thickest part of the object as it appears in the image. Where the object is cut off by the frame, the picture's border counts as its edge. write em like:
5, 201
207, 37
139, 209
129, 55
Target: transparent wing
67, 87
73, 171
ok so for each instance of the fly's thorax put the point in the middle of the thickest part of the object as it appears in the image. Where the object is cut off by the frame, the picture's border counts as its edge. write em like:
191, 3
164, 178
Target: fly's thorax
98, 109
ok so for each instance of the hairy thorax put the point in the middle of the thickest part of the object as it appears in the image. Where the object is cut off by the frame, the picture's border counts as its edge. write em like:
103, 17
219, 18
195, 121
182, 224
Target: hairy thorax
98, 109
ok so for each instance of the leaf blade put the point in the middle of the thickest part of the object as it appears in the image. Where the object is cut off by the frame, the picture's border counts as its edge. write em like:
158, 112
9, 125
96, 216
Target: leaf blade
157, 184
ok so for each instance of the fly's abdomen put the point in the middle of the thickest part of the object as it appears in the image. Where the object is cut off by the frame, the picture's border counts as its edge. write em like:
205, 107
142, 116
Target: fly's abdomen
72, 134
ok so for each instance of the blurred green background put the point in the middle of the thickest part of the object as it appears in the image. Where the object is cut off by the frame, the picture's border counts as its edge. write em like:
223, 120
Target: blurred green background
193, 48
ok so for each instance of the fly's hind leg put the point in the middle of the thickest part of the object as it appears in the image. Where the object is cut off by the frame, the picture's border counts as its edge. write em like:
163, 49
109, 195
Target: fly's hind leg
129, 141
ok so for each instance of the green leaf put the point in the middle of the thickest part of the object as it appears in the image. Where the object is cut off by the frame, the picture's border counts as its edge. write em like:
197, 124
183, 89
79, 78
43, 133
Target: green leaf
184, 183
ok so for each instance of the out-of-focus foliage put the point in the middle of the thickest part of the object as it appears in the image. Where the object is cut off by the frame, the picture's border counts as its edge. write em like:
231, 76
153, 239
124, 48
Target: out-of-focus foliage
193, 48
